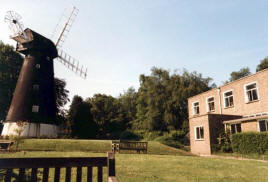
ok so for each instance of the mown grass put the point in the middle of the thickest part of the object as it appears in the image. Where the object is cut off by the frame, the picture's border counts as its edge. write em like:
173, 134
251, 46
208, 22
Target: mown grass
98, 146
169, 168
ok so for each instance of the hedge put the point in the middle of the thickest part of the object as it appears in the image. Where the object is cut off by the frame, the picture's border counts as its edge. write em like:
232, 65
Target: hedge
250, 142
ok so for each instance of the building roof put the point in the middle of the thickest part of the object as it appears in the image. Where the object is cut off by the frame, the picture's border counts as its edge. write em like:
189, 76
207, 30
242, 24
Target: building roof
246, 119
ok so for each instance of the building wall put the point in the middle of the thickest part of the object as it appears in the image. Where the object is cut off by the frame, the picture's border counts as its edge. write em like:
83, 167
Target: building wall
200, 147
212, 121
240, 106
249, 126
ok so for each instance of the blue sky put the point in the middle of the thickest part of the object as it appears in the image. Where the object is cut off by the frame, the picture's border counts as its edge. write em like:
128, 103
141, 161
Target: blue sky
120, 39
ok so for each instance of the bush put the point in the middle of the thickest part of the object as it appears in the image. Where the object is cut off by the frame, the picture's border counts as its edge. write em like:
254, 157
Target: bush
250, 142
128, 135
174, 138
224, 142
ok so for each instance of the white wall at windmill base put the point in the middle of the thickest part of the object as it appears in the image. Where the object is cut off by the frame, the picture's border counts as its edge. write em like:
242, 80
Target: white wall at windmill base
31, 130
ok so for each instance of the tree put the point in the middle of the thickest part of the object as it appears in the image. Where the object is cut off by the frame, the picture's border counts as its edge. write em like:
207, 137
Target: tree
82, 123
108, 115
10, 64
239, 74
61, 94
162, 99
263, 65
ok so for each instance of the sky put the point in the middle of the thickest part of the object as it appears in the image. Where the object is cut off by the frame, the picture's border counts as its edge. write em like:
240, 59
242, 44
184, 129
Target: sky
117, 40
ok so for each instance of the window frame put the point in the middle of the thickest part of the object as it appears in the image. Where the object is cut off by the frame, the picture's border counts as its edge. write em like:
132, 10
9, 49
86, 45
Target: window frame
195, 133
35, 109
193, 108
246, 95
224, 102
235, 128
259, 129
207, 103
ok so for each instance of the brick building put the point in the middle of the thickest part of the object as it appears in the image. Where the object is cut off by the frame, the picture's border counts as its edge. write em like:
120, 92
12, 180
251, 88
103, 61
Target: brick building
241, 105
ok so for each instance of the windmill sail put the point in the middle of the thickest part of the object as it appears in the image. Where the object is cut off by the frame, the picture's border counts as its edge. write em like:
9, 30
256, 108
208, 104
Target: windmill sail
71, 63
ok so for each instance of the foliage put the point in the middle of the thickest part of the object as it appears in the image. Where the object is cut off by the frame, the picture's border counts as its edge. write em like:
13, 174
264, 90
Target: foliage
263, 64
174, 139
10, 64
61, 94
224, 141
235, 75
250, 142
162, 99
129, 135
17, 137
81, 120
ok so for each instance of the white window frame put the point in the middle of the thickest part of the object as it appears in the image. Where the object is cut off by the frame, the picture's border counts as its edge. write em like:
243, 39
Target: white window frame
223, 98
245, 92
193, 108
208, 103
195, 134
259, 129
35, 108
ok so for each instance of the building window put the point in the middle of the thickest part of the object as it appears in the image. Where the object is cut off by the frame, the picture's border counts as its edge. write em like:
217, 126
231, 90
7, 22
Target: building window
35, 108
199, 133
235, 128
210, 104
35, 87
263, 125
228, 99
37, 66
251, 93
196, 108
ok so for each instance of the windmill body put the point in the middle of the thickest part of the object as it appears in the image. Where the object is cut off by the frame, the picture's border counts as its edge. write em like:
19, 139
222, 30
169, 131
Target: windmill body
34, 99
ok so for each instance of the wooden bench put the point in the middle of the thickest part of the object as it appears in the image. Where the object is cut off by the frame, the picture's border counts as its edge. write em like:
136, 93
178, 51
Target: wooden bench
118, 145
7, 166
5, 145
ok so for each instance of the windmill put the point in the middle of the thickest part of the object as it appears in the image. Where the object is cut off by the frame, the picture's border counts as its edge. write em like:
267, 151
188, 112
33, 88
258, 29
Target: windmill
34, 97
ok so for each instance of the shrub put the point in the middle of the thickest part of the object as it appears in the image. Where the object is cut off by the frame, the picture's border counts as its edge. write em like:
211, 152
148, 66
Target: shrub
128, 135
224, 142
250, 142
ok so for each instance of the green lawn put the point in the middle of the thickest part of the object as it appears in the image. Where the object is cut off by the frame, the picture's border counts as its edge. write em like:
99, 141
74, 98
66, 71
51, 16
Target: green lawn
171, 166
98, 146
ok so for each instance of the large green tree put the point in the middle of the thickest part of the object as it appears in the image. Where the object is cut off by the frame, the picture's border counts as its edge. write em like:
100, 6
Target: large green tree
108, 115
162, 98
235, 75
263, 64
81, 120
10, 64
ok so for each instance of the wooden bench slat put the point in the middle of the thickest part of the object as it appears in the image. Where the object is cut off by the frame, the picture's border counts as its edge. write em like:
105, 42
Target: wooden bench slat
68, 174
21, 174
89, 174
8, 175
34, 175
52, 162
79, 174
57, 174
45, 174
99, 174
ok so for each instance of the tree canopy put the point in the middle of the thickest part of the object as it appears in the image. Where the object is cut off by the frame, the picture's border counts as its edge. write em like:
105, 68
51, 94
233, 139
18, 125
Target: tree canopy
10, 64
235, 75
263, 64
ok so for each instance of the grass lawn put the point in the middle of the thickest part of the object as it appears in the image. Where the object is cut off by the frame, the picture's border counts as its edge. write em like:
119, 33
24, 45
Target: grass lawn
98, 146
171, 168
172, 165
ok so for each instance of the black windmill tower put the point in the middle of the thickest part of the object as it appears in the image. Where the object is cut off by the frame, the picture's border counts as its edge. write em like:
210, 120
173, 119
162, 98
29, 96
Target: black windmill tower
34, 97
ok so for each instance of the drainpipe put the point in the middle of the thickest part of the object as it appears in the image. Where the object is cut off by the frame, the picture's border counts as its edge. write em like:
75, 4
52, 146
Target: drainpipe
219, 94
